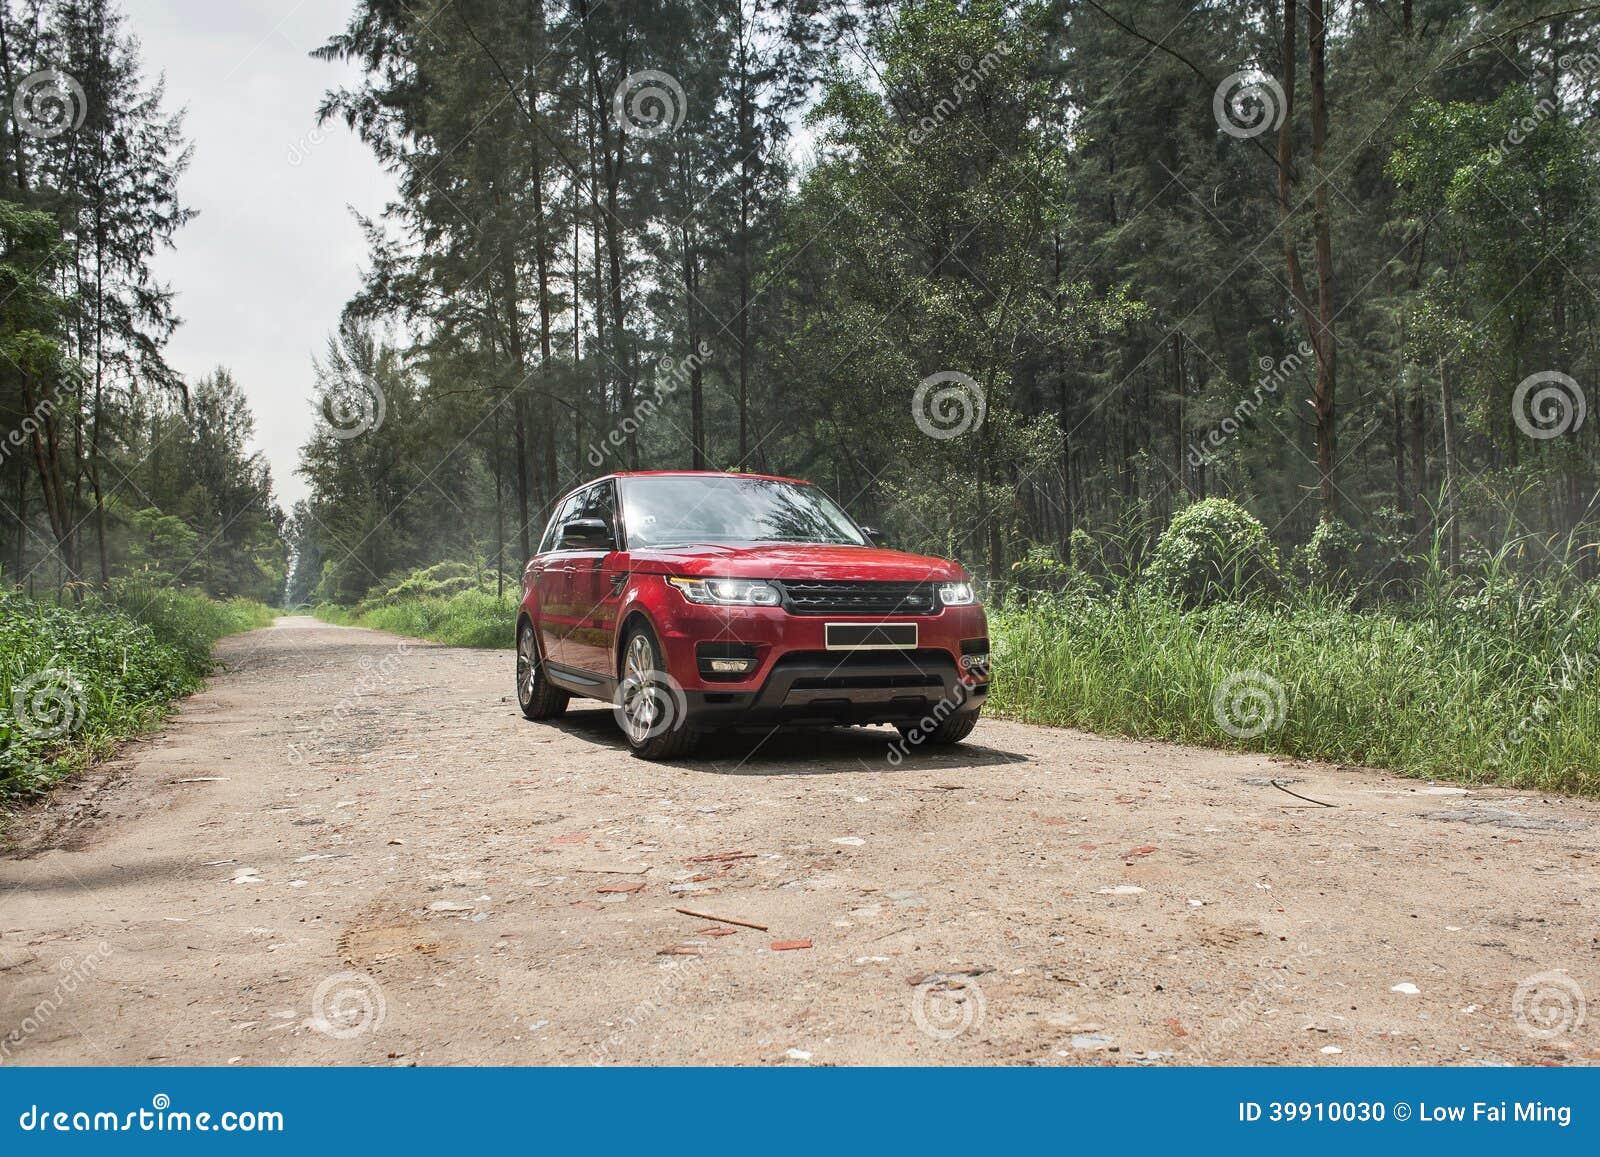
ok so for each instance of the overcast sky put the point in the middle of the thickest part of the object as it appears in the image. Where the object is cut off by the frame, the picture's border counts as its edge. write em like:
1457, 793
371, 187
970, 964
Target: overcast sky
263, 271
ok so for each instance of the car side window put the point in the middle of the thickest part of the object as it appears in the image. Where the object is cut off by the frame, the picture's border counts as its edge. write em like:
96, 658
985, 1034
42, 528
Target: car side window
565, 513
602, 504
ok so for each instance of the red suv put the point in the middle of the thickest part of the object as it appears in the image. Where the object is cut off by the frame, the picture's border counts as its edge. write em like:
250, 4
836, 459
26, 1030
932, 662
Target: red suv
695, 600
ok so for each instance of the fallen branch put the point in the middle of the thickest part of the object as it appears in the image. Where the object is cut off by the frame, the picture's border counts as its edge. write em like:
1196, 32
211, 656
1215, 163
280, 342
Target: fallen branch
1297, 795
720, 919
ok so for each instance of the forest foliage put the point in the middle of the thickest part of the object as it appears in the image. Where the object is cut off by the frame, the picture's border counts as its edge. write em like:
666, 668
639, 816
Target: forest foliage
993, 272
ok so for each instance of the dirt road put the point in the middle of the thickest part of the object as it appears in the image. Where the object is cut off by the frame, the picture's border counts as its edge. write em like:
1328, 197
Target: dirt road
352, 849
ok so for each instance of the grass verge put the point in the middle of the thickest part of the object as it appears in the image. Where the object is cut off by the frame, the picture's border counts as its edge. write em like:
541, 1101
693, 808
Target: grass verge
76, 679
1500, 689
470, 618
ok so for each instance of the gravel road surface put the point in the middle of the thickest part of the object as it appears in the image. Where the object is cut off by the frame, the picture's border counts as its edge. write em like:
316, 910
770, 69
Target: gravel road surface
352, 849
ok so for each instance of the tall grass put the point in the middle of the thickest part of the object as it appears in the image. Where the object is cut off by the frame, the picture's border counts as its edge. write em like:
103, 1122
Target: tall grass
1484, 681
74, 679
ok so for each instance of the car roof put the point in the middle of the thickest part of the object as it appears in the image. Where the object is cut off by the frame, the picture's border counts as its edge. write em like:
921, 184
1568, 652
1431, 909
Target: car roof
676, 474
701, 474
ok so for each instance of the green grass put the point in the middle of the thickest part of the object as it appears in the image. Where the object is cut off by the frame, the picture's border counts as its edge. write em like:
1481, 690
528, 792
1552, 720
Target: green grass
1499, 685
75, 679
470, 618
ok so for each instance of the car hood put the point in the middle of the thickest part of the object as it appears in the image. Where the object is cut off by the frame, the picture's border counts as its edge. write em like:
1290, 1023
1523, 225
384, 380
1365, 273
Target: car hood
795, 561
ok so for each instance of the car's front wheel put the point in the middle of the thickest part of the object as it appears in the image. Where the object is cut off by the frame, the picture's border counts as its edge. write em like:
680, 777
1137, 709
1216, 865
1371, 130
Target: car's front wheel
536, 695
952, 728
650, 705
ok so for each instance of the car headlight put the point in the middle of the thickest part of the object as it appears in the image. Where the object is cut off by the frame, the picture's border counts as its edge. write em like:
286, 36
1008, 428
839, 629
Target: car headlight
957, 594
728, 592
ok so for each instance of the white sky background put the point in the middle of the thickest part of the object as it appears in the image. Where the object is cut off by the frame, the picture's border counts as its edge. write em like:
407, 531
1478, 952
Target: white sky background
262, 273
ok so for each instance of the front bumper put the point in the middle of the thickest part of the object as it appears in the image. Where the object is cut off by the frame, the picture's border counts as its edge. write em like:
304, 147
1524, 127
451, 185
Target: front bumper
797, 679
832, 687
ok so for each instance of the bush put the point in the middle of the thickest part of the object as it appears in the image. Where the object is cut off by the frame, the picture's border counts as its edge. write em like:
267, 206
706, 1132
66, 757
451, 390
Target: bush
1214, 551
74, 679
1333, 557
442, 580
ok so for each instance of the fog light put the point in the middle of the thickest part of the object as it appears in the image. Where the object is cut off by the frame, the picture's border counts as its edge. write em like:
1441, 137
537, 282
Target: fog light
731, 666
975, 662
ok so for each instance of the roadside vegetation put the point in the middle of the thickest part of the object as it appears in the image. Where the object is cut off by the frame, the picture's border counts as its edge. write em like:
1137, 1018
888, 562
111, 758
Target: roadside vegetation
453, 603
1481, 676
75, 679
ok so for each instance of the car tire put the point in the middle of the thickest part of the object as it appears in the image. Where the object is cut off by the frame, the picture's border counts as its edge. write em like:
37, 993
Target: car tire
650, 706
536, 695
951, 729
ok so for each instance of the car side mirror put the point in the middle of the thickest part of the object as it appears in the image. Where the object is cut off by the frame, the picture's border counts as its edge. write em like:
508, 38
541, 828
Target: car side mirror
586, 532
877, 536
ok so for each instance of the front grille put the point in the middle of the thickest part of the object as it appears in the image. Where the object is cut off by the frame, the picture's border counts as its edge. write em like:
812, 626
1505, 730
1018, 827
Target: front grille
821, 597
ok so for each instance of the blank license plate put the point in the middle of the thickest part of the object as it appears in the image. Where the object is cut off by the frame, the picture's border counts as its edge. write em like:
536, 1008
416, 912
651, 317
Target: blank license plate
871, 636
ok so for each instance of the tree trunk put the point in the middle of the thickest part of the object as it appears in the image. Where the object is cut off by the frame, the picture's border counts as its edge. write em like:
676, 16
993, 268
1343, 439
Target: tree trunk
1318, 318
1450, 492
1419, 466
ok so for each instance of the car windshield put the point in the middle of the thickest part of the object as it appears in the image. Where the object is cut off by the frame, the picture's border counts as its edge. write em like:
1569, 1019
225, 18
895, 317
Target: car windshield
672, 510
